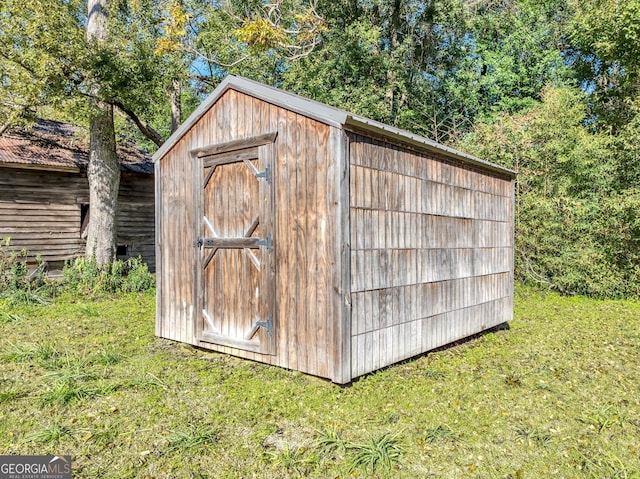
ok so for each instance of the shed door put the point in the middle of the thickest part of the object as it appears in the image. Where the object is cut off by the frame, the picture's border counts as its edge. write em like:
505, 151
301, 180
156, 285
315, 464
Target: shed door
236, 244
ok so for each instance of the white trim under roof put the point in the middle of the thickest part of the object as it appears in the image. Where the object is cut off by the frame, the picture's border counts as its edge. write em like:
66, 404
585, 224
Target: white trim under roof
323, 113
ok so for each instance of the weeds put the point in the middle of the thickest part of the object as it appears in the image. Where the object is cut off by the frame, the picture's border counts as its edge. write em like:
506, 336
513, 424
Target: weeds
54, 434
68, 390
377, 453
294, 459
86, 276
433, 373
602, 418
74, 384
106, 358
6, 318
513, 381
17, 283
104, 435
89, 310
125, 406
21, 283
145, 382
11, 394
440, 433
609, 467
30, 352
329, 441
532, 435
195, 437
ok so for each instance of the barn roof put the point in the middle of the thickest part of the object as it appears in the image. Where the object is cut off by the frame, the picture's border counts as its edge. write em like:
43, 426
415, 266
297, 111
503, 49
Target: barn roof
61, 146
324, 114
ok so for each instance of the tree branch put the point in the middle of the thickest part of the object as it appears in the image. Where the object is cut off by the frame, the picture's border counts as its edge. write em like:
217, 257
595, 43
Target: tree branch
13, 116
143, 126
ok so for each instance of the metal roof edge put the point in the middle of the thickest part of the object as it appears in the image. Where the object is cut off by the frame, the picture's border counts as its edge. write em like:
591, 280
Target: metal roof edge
422, 142
39, 167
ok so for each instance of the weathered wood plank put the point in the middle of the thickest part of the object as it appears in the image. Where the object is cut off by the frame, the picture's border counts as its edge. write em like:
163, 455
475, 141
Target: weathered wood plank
298, 263
239, 144
338, 191
230, 157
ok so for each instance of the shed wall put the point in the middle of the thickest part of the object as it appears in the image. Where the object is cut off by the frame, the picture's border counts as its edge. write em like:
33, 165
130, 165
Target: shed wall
305, 180
40, 210
431, 252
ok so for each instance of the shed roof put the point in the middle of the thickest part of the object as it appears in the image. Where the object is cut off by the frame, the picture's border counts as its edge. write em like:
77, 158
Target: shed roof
324, 114
60, 146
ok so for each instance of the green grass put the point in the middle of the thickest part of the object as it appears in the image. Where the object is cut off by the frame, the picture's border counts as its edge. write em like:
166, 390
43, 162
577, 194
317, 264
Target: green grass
196, 436
556, 395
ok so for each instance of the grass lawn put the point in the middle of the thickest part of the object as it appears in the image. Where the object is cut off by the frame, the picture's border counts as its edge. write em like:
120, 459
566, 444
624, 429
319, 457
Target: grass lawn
557, 394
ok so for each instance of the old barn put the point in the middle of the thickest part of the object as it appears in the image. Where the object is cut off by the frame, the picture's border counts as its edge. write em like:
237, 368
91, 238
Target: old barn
44, 194
296, 234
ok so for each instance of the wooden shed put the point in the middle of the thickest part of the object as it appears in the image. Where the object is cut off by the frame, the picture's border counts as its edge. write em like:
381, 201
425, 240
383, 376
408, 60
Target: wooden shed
296, 234
44, 194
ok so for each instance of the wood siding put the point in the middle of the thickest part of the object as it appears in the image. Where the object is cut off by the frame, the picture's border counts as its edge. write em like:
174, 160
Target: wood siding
306, 181
40, 210
431, 252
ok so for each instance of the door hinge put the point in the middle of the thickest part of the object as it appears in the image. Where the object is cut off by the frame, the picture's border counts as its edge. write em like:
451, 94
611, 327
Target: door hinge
266, 174
267, 325
200, 242
266, 242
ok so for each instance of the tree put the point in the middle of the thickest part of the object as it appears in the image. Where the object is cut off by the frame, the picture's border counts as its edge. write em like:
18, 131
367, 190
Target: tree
103, 171
39, 46
49, 60
577, 229
380, 58
136, 59
606, 38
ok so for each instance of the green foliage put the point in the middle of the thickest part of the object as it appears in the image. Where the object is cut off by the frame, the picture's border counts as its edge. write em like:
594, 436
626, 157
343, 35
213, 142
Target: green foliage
17, 282
86, 276
24, 284
329, 441
22, 352
501, 70
51, 434
195, 437
440, 433
39, 53
532, 435
435, 69
576, 230
381, 452
606, 36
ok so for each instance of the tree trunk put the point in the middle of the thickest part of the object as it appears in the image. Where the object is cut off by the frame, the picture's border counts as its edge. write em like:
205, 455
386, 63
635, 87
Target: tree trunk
176, 105
103, 171
104, 182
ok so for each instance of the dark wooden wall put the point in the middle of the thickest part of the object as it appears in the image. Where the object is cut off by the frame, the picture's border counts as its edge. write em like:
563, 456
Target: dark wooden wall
136, 219
307, 177
40, 210
431, 252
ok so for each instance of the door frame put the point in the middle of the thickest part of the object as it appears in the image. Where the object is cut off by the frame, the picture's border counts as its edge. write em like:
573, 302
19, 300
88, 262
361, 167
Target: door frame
266, 153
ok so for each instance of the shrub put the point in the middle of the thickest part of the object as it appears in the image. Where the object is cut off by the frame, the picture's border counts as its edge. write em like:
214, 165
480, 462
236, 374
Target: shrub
84, 275
21, 283
17, 282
